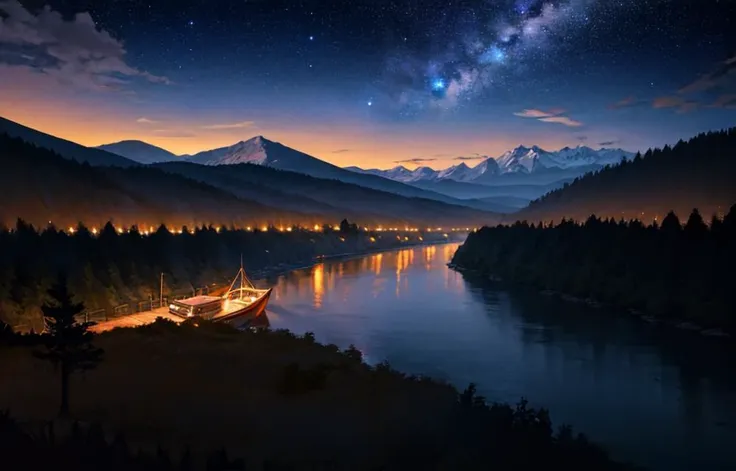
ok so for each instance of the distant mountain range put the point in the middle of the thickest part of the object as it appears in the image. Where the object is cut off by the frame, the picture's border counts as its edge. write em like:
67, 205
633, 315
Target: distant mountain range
263, 152
140, 151
518, 162
258, 180
535, 170
43, 184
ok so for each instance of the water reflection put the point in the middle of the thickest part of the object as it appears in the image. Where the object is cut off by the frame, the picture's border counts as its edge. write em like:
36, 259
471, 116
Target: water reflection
666, 400
318, 286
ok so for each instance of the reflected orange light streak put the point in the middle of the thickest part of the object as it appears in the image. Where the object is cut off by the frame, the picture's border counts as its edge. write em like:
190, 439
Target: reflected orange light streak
318, 284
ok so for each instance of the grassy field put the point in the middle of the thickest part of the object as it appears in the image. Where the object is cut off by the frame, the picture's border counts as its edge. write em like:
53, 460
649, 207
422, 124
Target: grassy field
210, 387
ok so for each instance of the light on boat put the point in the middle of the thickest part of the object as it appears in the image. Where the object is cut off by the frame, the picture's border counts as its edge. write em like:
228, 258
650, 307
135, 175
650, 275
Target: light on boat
316, 227
171, 306
252, 298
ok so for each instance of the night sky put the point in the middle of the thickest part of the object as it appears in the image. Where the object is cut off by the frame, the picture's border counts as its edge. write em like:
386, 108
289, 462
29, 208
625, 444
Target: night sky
371, 82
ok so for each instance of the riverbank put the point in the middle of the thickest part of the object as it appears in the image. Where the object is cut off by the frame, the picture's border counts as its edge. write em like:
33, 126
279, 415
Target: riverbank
679, 324
669, 274
272, 397
120, 274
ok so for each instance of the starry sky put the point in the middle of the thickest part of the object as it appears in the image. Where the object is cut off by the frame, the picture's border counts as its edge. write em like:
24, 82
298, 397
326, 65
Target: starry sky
371, 82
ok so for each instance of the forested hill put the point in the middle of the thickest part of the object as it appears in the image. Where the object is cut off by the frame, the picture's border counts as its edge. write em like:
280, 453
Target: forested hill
699, 173
40, 186
674, 271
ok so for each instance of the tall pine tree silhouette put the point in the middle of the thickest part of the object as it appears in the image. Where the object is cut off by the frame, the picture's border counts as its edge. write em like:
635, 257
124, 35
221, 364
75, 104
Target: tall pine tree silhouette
68, 343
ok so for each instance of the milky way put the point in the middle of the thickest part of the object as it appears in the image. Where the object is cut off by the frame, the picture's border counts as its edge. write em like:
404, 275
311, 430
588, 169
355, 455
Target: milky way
487, 47
379, 80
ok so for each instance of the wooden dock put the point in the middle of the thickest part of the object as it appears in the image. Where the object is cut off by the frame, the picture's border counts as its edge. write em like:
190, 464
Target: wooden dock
135, 320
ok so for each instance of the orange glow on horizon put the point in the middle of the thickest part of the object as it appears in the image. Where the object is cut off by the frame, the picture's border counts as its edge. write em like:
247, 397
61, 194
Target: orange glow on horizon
91, 122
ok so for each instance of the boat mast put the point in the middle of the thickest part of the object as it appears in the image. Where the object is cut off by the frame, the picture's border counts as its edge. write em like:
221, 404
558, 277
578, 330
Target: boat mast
245, 283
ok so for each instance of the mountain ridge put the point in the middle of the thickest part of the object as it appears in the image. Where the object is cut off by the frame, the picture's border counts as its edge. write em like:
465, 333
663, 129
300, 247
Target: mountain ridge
650, 185
139, 151
521, 160
65, 148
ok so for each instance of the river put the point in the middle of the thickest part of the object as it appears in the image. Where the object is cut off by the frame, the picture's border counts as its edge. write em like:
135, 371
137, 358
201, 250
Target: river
662, 399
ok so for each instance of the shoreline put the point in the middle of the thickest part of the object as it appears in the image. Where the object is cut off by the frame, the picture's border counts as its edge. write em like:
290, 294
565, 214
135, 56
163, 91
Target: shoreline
679, 324
277, 270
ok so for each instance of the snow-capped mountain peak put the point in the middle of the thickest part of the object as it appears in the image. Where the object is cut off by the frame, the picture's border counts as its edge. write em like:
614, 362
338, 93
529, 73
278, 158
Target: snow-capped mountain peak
252, 151
521, 160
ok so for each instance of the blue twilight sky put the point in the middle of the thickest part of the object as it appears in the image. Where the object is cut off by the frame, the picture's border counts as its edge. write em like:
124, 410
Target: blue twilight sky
371, 82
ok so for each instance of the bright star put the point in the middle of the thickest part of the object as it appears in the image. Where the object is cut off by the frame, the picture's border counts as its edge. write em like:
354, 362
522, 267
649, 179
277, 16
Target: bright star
438, 84
370, 103
311, 38
191, 22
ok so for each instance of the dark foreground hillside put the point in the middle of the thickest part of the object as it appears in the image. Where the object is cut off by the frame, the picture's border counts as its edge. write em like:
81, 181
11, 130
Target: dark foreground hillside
698, 173
670, 271
276, 401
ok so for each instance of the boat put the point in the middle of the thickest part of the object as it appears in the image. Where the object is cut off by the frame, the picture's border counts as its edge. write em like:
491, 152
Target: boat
239, 306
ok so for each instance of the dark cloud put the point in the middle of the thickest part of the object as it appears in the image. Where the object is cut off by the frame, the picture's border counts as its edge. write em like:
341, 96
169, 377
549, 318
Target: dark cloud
627, 102
682, 105
725, 101
414, 161
582, 138
471, 157
72, 51
608, 143
340, 151
721, 77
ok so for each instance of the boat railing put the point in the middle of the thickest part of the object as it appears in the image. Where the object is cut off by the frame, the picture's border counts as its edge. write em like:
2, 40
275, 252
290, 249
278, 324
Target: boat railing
241, 293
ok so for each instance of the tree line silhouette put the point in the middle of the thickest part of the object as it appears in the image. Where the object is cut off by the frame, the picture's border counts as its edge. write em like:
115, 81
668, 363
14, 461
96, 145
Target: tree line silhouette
480, 434
109, 268
669, 270
696, 173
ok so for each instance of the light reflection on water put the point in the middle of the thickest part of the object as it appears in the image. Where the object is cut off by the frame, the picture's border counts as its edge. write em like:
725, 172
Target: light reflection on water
662, 399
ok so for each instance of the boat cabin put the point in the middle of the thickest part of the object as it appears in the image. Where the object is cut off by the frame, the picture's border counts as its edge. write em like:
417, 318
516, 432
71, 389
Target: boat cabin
201, 306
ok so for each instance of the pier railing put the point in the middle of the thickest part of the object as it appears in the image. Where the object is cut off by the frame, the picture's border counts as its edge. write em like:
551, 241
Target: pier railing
122, 310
